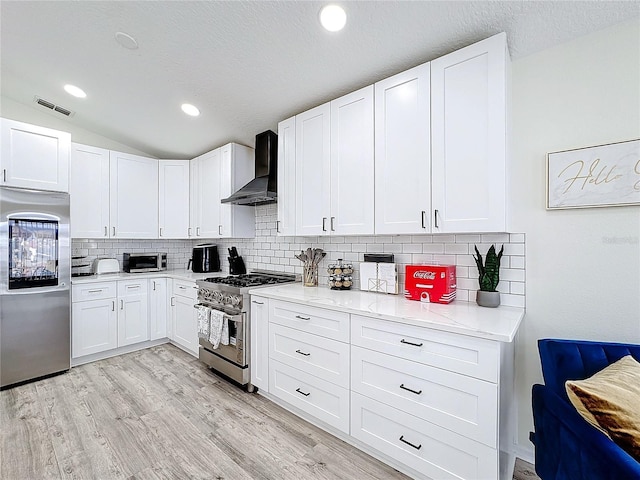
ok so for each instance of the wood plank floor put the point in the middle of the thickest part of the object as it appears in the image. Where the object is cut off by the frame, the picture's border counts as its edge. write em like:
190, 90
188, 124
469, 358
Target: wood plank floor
160, 414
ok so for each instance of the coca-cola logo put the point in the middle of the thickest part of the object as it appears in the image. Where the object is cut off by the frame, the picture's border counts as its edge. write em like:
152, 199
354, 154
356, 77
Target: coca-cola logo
424, 274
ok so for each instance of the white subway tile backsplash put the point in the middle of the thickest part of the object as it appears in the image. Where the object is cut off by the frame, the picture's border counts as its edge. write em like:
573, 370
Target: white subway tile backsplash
270, 252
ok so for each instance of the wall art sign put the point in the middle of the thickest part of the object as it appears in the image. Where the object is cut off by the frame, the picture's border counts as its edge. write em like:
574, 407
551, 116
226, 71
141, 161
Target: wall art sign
600, 176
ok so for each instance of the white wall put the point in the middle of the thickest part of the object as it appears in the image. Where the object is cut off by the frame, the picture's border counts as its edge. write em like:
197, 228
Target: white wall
583, 266
37, 115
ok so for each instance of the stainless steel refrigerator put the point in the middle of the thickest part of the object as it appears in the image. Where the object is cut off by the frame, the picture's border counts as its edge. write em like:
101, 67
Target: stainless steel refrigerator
35, 295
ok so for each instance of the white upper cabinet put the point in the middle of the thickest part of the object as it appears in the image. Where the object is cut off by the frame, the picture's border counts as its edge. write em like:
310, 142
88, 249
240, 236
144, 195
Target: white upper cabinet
402, 153
469, 133
133, 187
313, 155
335, 167
216, 175
173, 192
352, 164
34, 157
89, 191
287, 177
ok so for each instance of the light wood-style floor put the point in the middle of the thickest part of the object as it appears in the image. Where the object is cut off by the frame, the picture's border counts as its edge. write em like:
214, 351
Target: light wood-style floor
160, 414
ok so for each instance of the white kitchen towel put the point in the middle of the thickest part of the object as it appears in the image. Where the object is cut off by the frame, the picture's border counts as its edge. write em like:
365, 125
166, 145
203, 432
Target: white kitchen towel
204, 314
224, 335
218, 321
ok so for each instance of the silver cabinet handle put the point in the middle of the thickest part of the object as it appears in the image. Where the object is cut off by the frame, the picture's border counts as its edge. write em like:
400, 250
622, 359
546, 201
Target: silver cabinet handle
424, 223
219, 229
160, 231
303, 353
189, 231
333, 219
121, 304
257, 303
417, 392
181, 287
97, 290
154, 285
106, 231
303, 318
324, 221
409, 443
197, 231
114, 231
302, 393
4, 174
132, 287
173, 302
277, 226
113, 305
435, 218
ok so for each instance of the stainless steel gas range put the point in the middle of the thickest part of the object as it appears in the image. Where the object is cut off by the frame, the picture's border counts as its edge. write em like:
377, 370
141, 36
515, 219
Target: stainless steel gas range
230, 295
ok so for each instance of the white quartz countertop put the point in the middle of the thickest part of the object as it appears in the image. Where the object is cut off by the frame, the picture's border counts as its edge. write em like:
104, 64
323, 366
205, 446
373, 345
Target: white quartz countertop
465, 318
177, 274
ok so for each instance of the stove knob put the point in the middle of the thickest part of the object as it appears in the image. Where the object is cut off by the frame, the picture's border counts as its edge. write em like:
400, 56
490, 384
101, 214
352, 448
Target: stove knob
217, 296
235, 300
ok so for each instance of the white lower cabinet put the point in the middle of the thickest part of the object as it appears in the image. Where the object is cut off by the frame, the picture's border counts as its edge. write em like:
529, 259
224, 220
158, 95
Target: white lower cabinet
184, 318
430, 403
435, 452
158, 309
94, 319
108, 315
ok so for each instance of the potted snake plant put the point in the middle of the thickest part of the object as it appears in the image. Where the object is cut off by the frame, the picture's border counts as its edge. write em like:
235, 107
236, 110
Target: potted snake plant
488, 277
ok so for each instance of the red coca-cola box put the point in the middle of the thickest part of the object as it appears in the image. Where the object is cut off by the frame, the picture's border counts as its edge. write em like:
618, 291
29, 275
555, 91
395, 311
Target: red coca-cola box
430, 283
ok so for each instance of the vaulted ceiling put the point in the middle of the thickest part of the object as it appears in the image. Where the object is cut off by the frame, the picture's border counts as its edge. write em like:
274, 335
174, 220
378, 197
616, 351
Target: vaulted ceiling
246, 64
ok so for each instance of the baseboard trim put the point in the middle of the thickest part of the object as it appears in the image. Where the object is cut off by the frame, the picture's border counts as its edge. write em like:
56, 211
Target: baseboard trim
525, 453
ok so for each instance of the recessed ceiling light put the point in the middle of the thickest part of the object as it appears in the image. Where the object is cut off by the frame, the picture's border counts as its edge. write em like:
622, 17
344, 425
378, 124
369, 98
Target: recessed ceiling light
75, 91
126, 40
333, 18
190, 109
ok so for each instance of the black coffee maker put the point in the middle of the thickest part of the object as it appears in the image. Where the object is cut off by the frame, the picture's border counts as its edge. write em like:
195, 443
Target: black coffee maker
236, 263
205, 258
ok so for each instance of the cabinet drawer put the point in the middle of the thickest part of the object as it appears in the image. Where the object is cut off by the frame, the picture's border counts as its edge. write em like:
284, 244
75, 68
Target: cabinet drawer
317, 397
93, 291
185, 289
325, 358
456, 402
475, 357
436, 452
132, 287
320, 321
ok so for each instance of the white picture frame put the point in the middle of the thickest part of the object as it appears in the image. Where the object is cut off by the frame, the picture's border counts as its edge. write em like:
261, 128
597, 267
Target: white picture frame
599, 176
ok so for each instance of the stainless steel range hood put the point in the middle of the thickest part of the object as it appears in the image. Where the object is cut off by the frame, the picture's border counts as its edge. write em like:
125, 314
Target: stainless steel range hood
262, 189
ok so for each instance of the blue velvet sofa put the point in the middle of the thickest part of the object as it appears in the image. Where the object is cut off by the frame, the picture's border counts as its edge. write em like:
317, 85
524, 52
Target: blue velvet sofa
566, 446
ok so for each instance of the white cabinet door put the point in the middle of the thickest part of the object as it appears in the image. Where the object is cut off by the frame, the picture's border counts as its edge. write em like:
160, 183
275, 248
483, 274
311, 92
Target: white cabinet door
469, 137
260, 342
173, 192
286, 177
313, 152
237, 168
133, 318
158, 308
185, 323
402, 153
89, 191
34, 157
94, 327
133, 193
206, 205
352, 164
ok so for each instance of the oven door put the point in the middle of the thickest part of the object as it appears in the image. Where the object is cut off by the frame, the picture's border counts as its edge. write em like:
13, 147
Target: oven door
235, 352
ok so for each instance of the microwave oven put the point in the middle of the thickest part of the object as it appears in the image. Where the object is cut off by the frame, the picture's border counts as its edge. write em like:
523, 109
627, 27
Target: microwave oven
144, 262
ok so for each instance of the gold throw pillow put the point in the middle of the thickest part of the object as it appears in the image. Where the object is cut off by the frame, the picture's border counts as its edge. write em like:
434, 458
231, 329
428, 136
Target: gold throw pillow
610, 400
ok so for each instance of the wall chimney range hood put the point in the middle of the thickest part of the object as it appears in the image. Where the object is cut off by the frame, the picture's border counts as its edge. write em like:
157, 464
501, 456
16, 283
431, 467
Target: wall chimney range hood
261, 190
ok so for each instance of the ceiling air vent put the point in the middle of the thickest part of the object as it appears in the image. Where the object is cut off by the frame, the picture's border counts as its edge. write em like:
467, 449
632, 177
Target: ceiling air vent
53, 106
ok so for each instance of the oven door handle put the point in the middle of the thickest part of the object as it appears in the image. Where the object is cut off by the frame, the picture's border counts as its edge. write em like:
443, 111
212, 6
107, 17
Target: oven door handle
239, 317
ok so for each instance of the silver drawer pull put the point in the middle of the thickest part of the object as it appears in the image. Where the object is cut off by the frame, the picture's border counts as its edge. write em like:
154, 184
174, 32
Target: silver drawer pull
409, 443
133, 286
302, 353
181, 287
410, 343
258, 303
302, 393
409, 390
97, 290
303, 318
